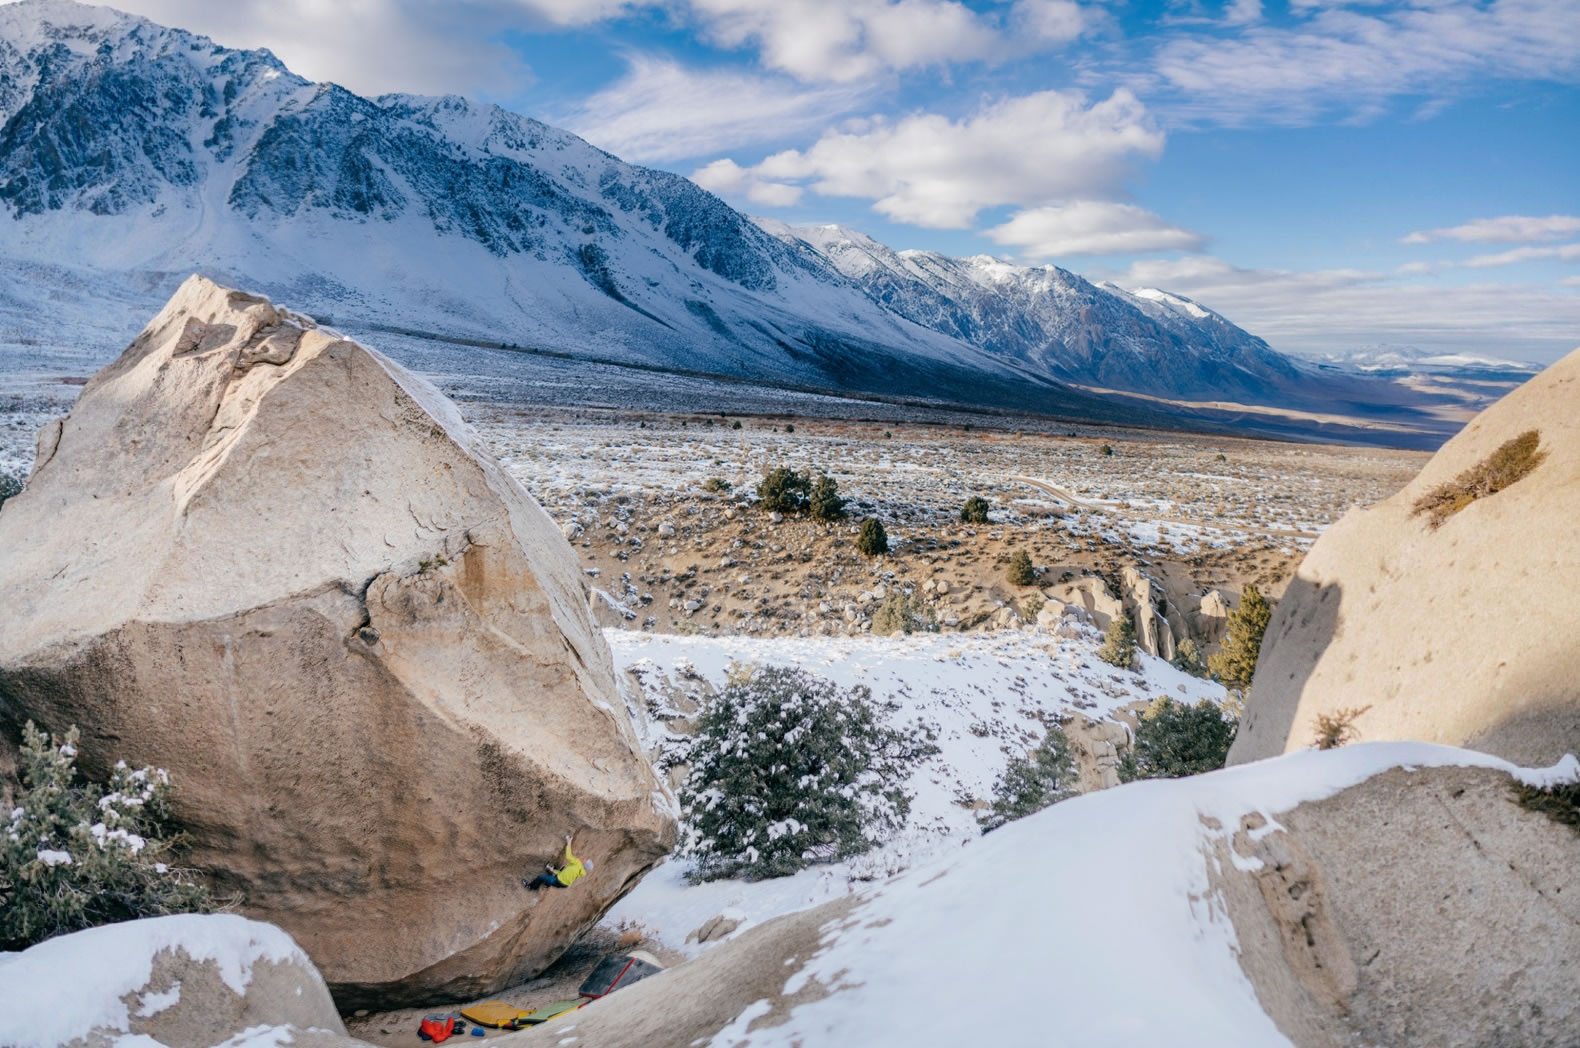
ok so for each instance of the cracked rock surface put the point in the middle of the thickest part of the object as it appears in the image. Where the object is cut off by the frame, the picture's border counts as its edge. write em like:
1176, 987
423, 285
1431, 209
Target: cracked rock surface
279, 565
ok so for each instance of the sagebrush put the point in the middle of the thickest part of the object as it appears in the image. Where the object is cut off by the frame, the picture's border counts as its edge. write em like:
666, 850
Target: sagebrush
788, 769
1338, 728
75, 854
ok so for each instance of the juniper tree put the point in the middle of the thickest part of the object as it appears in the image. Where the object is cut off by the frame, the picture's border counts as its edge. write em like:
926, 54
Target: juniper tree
826, 502
1021, 570
872, 540
1236, 663
783, 490
1174, 739
975, 510
1119, 644
1032, 782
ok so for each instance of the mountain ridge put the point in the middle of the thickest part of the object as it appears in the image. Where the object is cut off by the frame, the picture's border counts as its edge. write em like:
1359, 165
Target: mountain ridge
133, 154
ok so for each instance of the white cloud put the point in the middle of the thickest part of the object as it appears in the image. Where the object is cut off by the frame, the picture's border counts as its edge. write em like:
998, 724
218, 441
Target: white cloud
1560, 252
1507, 229
929, 170
1330, 310
729, 178
661, 110
851, 40
1091, 227
1573, 281
1335, 59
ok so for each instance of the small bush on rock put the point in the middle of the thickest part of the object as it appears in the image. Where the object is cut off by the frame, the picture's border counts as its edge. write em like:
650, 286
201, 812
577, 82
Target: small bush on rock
788, 769
1338, 728
825, 502
10, 487
1235, 665
783, 490
1021, 570
1511, 462
1559, 801
1175, 739
1119, 645
975, 511
872, 540
76, 855
1031, 783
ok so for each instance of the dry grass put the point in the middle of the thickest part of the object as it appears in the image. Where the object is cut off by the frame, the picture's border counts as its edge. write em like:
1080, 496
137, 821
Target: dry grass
1511, 462
1338, 728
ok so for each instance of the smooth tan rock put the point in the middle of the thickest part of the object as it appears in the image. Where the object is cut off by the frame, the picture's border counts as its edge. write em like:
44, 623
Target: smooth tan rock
1091, 593
1417, 908
1211, 620
276, 563
1154, 634
1448, 634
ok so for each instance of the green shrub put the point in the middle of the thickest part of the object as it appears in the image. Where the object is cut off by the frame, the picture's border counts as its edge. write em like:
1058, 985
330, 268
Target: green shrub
10, 487
75, 854
1513, 460
1338, 728
736, 424
1119, 644
1187, 657
826, 503
1021, 570
894, 615
1105, 450
717, 485
1235, 665
790, 428
1559, 802
783, 490
1031, 783
1175, 739
975, 511
788, 769
872, 539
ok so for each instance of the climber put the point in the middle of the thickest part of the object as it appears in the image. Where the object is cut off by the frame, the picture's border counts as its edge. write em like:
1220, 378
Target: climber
567, 875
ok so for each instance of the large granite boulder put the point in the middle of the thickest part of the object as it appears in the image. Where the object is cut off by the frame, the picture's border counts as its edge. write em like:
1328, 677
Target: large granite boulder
279, 565
1441, 633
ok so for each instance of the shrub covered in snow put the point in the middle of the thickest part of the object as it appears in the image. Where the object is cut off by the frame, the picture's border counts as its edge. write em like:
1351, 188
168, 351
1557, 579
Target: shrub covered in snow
1176, 739
76, 854
1030, 783
788, 769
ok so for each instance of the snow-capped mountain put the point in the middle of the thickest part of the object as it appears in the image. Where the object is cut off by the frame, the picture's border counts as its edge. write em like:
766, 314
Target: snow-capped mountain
1144, 341
132, 154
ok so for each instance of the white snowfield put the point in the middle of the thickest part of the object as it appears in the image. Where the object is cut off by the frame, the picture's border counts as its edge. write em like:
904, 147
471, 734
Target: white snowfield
1092, 923
985, 695
64, 988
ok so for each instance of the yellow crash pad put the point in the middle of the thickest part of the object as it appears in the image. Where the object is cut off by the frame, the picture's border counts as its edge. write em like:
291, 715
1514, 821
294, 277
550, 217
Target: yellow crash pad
491, 1013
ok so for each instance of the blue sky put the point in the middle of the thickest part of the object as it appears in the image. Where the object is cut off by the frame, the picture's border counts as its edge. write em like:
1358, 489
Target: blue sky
1330, 175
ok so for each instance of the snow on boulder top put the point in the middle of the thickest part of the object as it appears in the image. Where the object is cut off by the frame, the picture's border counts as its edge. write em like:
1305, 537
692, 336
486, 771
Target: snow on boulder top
104, 979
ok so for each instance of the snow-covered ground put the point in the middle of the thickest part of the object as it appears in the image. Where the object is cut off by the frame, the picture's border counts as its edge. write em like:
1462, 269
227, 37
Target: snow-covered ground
986, 696
1093, 923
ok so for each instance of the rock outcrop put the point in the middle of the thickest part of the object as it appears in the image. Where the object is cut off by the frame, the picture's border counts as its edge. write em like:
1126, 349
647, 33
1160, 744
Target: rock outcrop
1447, 633
1154, 634
180, 981
272, 561
1416, 908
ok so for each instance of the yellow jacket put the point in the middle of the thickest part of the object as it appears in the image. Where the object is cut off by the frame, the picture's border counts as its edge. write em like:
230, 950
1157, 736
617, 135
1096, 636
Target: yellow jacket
572, 871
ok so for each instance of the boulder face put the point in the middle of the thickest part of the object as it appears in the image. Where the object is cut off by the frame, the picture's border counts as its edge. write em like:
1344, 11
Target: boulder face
277, 564
1442, 634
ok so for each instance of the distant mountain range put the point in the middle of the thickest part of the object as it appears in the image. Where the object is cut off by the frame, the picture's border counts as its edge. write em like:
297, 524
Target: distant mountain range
132, 154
